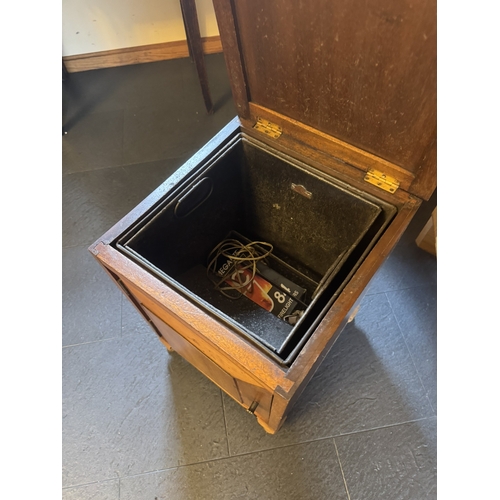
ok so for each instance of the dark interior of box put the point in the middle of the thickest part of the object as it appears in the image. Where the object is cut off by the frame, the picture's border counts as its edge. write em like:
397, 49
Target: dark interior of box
320, 230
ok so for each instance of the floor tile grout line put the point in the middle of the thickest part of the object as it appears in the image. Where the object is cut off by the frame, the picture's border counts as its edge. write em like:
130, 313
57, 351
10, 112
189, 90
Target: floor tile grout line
91, 483
384, 426
225, 422
219, 459
253, 452
76, 246
411, 355
105, 340
121, 315
90, 342
341, 470
228, 458
317, 440
401, 289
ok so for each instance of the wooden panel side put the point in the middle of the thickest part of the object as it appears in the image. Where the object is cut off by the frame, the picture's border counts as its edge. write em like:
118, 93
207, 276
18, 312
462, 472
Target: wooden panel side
225, 359
214, 339
196, 358
279, 410
253, 395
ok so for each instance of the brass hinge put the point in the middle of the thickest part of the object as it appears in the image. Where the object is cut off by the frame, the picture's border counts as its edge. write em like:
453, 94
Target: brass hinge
381, 180
268, 128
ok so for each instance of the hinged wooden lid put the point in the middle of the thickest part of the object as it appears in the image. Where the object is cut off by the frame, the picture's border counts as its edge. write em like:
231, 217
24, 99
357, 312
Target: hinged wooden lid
357, 76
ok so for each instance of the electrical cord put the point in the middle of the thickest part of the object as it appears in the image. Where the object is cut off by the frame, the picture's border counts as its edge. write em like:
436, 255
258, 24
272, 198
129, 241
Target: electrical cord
231, 259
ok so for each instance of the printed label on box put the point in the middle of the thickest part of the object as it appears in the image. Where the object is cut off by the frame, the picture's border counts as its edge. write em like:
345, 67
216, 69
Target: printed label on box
225, 265
263, 293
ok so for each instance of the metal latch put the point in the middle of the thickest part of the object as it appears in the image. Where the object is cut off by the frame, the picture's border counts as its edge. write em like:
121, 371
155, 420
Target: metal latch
381, 180
253, 407
268, 128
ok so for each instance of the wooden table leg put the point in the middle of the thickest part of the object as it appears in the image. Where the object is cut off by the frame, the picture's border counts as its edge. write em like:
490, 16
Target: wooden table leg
190, 18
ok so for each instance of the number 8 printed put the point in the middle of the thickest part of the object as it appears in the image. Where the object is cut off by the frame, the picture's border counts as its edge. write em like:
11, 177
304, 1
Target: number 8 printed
280, 297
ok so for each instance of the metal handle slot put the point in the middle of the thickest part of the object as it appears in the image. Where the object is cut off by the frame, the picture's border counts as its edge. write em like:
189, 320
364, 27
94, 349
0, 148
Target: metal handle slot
194, 198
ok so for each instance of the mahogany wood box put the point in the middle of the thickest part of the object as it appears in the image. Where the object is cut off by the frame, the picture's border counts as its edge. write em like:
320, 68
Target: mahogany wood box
331, 154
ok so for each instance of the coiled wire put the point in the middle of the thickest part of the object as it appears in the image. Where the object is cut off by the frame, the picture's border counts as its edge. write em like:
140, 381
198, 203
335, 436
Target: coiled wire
241, 258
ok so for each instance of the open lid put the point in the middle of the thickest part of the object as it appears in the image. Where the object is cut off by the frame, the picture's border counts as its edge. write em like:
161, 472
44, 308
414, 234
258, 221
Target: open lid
360, 75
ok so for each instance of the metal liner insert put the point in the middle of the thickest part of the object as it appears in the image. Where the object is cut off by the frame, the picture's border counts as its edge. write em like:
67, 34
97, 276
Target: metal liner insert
320, 227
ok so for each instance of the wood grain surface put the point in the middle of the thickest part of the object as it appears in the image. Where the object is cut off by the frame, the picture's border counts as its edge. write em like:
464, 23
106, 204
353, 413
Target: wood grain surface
362, 71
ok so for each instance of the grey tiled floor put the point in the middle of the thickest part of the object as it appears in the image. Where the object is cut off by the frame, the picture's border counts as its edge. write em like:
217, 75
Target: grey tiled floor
139, 423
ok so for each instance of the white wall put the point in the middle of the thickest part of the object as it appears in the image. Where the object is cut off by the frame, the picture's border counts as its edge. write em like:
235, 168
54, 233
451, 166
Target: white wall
97, 25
